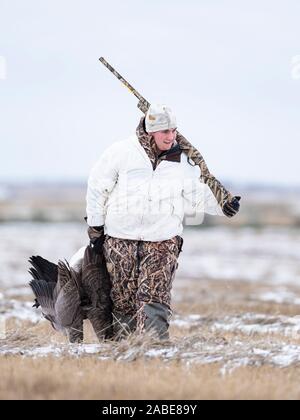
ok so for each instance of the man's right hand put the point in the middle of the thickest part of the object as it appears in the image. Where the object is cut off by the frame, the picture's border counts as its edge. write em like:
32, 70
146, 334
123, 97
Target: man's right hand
96, 235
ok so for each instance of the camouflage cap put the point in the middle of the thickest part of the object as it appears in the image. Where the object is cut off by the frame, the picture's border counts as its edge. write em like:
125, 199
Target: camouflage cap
159, 117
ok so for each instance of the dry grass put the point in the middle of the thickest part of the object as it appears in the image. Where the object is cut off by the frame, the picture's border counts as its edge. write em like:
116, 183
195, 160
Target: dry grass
138, 377
66, 378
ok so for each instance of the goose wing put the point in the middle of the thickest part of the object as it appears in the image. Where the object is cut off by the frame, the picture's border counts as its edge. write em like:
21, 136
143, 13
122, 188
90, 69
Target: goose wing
43, 269
44, 292
67, 305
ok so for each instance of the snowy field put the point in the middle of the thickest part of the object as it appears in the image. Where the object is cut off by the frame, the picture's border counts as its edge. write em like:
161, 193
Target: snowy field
218, 253
236, 300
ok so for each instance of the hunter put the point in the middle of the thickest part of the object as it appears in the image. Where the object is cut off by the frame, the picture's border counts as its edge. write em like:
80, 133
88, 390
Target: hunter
138, 194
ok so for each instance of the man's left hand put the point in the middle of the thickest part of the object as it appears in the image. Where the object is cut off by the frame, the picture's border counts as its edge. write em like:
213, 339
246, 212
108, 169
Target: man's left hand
231, 208
96, 235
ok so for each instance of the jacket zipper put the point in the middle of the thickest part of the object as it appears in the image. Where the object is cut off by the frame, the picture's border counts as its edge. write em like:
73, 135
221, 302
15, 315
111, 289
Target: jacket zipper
153, 171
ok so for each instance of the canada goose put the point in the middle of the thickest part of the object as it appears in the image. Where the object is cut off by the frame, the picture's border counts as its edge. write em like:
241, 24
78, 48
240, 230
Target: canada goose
97, 286
59, 297
68, 295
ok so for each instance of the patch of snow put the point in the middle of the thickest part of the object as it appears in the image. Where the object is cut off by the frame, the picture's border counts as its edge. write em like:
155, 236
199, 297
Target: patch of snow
80, 349
261, 352
20, 310
2, 328
164, 352
281, 296
232, 365
259, 324
18, 291
219, 253
289, 355
187, 321
44, 351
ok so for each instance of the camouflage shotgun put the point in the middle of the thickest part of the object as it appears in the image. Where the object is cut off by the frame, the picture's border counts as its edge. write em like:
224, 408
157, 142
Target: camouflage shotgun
221, 194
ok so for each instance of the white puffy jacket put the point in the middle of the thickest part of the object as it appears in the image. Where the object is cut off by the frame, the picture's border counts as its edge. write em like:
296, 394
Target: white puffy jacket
133, 201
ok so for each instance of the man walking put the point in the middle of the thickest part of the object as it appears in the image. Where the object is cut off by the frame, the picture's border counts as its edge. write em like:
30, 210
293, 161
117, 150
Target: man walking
138, 194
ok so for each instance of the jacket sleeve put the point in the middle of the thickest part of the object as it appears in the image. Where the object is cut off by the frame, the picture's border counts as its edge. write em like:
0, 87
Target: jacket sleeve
102, 179
198, 195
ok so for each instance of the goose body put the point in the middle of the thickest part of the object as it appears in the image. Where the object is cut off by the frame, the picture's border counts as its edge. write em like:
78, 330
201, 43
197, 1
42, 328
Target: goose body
68, 294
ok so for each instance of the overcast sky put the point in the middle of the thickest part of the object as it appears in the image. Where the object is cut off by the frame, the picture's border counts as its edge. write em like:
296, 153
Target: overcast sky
229, 69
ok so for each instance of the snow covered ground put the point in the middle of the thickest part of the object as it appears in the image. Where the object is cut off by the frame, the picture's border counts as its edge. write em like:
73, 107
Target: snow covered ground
255, 340
236, 297
243, 254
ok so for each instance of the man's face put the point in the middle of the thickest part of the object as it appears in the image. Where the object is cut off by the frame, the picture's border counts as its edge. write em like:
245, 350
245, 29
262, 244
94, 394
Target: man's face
164, 139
